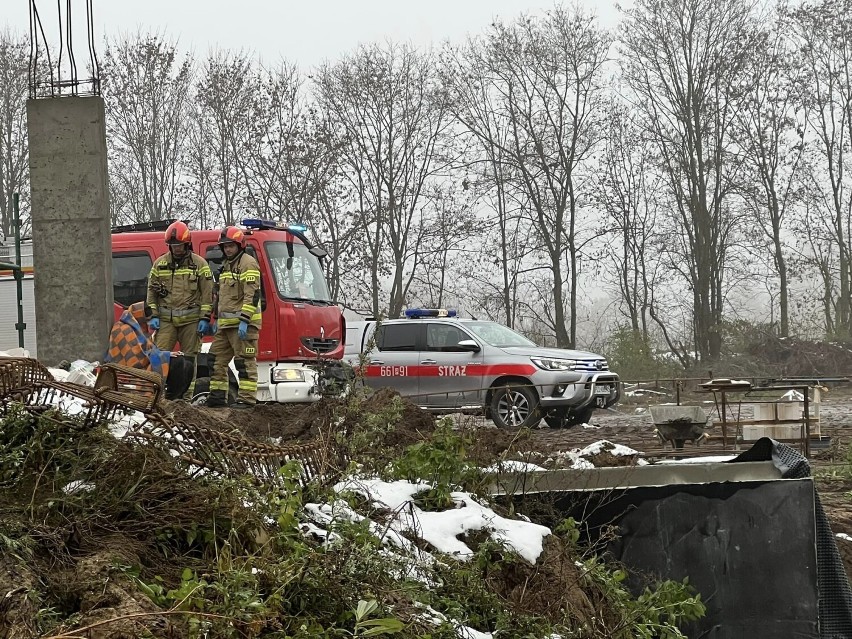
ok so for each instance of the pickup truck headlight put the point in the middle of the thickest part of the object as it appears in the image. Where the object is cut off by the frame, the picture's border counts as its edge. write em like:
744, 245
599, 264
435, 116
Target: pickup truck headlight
549, 364
288, 375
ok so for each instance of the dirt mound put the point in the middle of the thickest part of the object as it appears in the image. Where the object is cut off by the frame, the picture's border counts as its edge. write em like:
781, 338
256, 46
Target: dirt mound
791, 357
549, 587
399, 422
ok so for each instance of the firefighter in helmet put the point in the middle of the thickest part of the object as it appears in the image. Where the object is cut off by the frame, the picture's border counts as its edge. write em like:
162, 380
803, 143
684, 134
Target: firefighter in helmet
180, 294
238, 322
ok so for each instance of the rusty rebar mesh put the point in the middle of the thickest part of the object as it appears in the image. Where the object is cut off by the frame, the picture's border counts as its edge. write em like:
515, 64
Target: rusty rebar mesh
27, 382
233, 454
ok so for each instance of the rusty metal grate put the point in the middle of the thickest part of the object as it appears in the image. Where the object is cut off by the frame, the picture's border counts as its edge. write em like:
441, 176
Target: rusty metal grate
27, 382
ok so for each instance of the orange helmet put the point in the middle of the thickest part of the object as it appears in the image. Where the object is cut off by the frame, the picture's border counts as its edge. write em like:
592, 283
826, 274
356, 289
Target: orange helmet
178, 233
232, 234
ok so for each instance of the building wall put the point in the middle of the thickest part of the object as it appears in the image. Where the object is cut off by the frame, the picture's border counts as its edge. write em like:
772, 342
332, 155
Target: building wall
71, 227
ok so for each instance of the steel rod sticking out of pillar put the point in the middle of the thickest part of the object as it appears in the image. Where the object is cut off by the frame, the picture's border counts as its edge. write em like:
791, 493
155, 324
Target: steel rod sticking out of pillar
19, 274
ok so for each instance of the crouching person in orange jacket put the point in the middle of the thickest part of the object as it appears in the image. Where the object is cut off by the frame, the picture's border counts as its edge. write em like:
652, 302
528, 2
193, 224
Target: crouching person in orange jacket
130, 345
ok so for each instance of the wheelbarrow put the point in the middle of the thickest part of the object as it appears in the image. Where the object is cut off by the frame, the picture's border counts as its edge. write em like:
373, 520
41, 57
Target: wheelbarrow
679, 424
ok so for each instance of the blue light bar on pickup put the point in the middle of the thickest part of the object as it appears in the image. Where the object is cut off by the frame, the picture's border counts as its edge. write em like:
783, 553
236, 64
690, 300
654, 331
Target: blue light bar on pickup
415, 313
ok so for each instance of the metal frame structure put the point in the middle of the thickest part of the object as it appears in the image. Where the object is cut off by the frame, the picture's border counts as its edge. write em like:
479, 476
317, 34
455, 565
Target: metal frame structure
47, 79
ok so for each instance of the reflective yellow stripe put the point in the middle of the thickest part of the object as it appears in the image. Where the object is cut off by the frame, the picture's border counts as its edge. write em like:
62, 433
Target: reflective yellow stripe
206, 308
246, 384
248, 309
217, 385
250, 276
180, 271
205, 270
226, 275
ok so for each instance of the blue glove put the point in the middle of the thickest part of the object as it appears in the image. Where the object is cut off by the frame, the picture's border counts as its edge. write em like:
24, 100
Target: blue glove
154, 323
203, 327
243, 330
213, 328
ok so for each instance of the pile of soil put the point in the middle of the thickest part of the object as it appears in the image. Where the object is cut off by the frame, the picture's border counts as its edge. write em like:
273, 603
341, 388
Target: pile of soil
791, 357
285, 423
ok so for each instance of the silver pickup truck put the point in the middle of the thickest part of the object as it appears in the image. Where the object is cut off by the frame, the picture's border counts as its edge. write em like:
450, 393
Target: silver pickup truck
449, 364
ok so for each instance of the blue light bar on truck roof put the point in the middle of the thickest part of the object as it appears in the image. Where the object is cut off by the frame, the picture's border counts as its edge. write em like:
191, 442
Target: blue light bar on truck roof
258, 224
415, 313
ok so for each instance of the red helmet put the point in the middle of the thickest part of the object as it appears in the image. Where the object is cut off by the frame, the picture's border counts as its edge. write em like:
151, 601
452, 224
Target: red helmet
178, 233
232, 234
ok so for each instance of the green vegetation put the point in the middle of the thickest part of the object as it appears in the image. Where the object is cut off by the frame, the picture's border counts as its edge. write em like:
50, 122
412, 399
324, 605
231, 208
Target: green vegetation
117, 538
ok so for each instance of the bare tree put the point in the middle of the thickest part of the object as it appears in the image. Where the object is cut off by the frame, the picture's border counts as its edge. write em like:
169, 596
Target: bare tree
544, 78
230, 121
390, 104
147, 94
683, 60
446, 245
823, 33
476, 104
14, 156
628, 183
767, 128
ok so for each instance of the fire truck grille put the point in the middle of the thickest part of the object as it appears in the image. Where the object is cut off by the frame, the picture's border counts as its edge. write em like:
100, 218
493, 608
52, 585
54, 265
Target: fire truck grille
319, 345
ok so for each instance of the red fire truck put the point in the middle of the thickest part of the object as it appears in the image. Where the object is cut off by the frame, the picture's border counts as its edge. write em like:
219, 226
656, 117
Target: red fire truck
302, 340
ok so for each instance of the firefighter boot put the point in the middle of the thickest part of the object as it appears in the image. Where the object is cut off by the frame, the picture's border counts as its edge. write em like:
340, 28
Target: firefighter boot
216, 399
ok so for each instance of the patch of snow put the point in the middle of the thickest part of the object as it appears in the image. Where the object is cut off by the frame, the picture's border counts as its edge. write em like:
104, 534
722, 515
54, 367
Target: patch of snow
437, 618
59, 374
569, 459
603, 445
466, 632
78, 486
442, 529
512, 466
309, 529
641, 392
792, 396
125, 422
588, 426
843, 536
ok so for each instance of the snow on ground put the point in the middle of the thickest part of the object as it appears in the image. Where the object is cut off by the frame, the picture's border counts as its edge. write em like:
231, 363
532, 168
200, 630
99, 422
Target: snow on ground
512, 466
443, 528
843, 536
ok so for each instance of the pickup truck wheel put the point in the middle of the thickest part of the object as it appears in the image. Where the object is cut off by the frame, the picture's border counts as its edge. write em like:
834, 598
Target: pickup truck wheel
514, 406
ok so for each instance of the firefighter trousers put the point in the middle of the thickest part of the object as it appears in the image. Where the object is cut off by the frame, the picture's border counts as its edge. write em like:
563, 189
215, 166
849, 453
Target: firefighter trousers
227, 344
187, 335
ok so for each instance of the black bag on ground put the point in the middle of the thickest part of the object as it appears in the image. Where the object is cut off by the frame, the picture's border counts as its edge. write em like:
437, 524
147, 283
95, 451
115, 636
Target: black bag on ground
181, 369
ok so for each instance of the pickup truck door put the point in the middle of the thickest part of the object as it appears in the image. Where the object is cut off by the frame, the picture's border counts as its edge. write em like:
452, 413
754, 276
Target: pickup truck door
444, 370
392, 363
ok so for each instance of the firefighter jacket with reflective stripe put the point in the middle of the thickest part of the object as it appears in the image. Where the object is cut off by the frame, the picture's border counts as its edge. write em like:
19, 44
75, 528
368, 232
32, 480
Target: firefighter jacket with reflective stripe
239, 292
130, 345
181, 291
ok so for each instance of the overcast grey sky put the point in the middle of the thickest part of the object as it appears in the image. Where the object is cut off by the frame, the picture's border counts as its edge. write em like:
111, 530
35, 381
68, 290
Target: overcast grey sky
301, 31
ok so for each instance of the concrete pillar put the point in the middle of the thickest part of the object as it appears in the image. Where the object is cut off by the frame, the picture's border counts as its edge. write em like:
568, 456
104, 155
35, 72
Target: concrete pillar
71, 227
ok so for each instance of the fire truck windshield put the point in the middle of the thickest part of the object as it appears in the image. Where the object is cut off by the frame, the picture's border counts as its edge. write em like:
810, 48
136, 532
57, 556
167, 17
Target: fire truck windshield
298, 274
